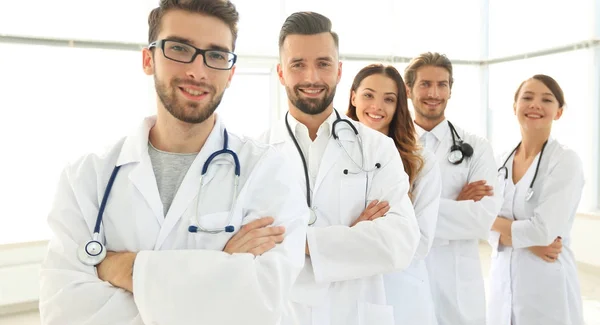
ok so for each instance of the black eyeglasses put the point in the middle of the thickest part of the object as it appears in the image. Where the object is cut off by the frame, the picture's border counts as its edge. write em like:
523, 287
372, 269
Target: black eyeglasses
185, 53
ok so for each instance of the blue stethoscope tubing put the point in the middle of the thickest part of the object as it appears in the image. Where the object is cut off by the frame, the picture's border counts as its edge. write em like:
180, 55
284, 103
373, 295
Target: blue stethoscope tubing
93, 251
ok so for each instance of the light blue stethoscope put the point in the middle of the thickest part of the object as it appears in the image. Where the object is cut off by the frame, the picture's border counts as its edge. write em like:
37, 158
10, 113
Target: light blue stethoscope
93, 251
313, 215
503, 171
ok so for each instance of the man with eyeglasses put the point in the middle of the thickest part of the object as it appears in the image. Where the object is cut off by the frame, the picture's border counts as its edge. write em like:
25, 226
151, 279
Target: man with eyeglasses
193, 218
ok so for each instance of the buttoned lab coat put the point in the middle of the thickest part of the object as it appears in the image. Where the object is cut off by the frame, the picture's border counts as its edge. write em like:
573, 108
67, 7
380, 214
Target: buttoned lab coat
179, 277
453, 263
342, 280
525, 289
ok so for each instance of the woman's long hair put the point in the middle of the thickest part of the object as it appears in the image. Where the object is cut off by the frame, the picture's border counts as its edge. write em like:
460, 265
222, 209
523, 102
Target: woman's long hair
402, 129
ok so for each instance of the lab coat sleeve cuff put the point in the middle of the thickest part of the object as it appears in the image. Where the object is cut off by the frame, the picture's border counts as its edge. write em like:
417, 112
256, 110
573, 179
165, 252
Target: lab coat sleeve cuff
520, 230
316, 259
494, 241
139, 278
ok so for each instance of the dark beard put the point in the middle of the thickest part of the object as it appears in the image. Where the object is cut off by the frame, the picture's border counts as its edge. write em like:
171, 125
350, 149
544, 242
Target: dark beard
189, 112
310, 106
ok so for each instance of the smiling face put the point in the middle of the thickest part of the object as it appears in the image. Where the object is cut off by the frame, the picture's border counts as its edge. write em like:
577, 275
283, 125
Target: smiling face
430, 94
190, 92
375, 100
310, 71
536, 107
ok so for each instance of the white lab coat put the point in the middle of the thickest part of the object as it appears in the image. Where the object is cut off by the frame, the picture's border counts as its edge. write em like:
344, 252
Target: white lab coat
524, 289
342, 280
179, 277
453, 263
409, 290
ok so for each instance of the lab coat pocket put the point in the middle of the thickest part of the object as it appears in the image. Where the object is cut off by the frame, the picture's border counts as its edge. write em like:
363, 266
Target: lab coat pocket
212, 222
371, 314
352, 197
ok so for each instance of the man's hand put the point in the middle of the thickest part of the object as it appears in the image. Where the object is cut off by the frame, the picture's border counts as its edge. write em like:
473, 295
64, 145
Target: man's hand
117, 269
374, 210
475, 191
548, 253
255, 237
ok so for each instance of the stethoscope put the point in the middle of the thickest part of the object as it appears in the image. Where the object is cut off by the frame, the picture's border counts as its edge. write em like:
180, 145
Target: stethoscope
503, 171
313, 215
93, 251
460, 149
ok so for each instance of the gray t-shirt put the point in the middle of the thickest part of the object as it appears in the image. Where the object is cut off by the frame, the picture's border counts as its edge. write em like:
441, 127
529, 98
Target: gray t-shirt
169, 170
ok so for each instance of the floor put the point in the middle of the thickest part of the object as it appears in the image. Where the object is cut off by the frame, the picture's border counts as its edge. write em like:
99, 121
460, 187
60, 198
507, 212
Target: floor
590, 291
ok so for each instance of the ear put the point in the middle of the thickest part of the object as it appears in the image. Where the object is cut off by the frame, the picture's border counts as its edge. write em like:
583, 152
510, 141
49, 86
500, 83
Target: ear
339, 76
515, 108
147, 62
408, 91
558, 114
280, 74
353, 98
231, 72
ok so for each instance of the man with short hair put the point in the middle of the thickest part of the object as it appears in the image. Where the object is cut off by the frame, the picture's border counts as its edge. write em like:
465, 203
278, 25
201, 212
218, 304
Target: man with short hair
193, 217
468, 205
363, 223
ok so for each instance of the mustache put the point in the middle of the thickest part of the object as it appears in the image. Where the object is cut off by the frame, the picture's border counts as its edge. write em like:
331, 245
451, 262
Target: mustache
309, 85
181, 83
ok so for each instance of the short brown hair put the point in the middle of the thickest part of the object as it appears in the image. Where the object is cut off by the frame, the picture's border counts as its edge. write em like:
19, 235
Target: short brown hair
307, 23
222, 9
548, 82
426, 59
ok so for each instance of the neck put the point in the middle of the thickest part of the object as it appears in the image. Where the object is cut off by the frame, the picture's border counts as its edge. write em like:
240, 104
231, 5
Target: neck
312, 122
172, 135
385, 130
532, 142
426, 123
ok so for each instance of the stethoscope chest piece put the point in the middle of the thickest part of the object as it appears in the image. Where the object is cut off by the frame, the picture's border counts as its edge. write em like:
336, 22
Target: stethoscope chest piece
455, 156
92, 253
313, 217
529, 194
460, 149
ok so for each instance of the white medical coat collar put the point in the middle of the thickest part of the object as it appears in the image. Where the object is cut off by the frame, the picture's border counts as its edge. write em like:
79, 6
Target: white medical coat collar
135, 147
440, 131
279, 133
135, 150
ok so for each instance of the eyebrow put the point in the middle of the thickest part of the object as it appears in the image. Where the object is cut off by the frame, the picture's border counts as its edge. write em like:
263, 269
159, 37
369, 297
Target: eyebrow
211, 46
325, 58
440, 81
532, 93
388, 93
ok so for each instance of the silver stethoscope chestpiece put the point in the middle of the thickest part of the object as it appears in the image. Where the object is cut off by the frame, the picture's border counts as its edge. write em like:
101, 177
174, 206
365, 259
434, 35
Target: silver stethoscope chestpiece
313, 217
455, 156
92, 253
529, 194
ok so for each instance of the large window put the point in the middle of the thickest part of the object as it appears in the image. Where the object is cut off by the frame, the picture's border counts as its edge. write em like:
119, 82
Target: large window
523, 26
61, 103
108, 20
401, 28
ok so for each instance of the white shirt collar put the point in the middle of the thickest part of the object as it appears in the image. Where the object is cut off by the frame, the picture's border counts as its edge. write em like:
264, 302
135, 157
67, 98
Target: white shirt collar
301, 129
439, 131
